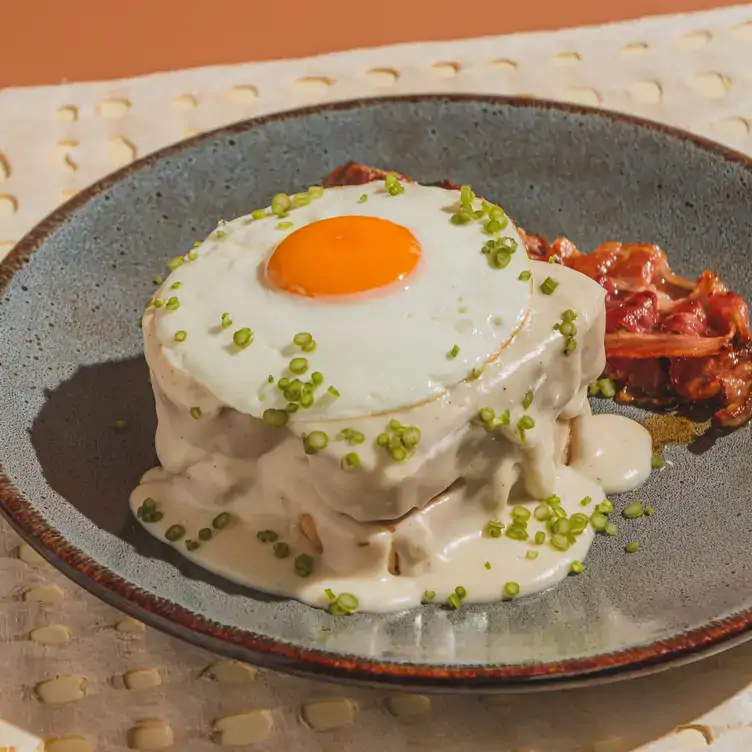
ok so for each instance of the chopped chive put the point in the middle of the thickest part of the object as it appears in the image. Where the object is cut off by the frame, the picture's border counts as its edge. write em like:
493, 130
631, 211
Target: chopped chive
174, 533
540, 538
532, 554
398, 453
524, 276
301, 199
316, 441
585, 501
180, 336
607, 388
281, 204
598, 522
393, 185
363, 199
302, 338
159, 280
548, 286
348, 602
226, 320
494, 528
382, 440
351, 436
173, 304
429, 595
267, 536
578, 522
461, 592
304, 565
649, 511
633, 511
657, 462
351, 461
149, 505
333, 391
611, 529
192, 255
336, 610
454, 352
175, 285
411, 436
258, 214
632, 547
329, 593
242, 337
486, 415
527, 400
605, 507
316, 191
221, 521
520, 514
454, 601
158, 302
487, 565
219, 235
560, 542
467, 195
517, 531
175, 262
576, 567
205, 534
285, 225
511, 589
276, 418
195, 413
298, 365
476, 373
281, 550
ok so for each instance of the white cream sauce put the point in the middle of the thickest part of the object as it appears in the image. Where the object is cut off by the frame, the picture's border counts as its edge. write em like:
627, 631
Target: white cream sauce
390, 531
612, 450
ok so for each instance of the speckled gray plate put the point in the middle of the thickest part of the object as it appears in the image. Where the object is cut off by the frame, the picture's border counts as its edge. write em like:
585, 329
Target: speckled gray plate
70, 365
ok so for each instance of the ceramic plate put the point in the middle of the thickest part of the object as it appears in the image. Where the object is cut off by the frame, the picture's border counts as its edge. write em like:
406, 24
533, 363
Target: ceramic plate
71, 365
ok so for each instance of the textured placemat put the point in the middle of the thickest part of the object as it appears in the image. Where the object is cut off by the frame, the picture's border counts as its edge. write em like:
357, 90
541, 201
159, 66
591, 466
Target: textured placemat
84, 677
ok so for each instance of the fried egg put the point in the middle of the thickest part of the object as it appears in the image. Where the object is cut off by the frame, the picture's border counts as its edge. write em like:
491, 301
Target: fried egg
392, 302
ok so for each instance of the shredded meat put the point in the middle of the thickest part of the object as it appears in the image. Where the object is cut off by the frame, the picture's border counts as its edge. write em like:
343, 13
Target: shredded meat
668, 340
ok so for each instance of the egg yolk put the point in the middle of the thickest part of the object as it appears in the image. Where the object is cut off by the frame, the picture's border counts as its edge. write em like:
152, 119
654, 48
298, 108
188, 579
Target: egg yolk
342, 256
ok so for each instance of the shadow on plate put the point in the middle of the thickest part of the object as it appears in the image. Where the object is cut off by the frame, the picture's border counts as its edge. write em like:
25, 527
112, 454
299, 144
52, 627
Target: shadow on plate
95, 465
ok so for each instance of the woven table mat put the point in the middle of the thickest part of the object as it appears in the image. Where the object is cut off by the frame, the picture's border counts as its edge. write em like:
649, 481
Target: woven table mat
79, 676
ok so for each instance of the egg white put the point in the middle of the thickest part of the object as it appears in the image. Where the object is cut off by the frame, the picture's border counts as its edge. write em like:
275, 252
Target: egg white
383, 350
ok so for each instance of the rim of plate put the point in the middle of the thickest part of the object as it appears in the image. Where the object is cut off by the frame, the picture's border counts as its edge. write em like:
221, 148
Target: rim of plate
268, 652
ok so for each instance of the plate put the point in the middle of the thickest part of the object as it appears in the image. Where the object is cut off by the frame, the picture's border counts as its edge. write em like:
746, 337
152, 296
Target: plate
71, 366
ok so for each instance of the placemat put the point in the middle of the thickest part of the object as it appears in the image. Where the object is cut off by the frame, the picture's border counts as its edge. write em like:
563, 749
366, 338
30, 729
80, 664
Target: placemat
82, 677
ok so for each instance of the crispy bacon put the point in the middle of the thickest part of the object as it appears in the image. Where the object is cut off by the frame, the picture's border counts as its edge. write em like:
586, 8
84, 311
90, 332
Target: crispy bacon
668, 340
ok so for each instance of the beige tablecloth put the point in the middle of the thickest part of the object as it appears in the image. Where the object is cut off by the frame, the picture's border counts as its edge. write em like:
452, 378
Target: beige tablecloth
82, 676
